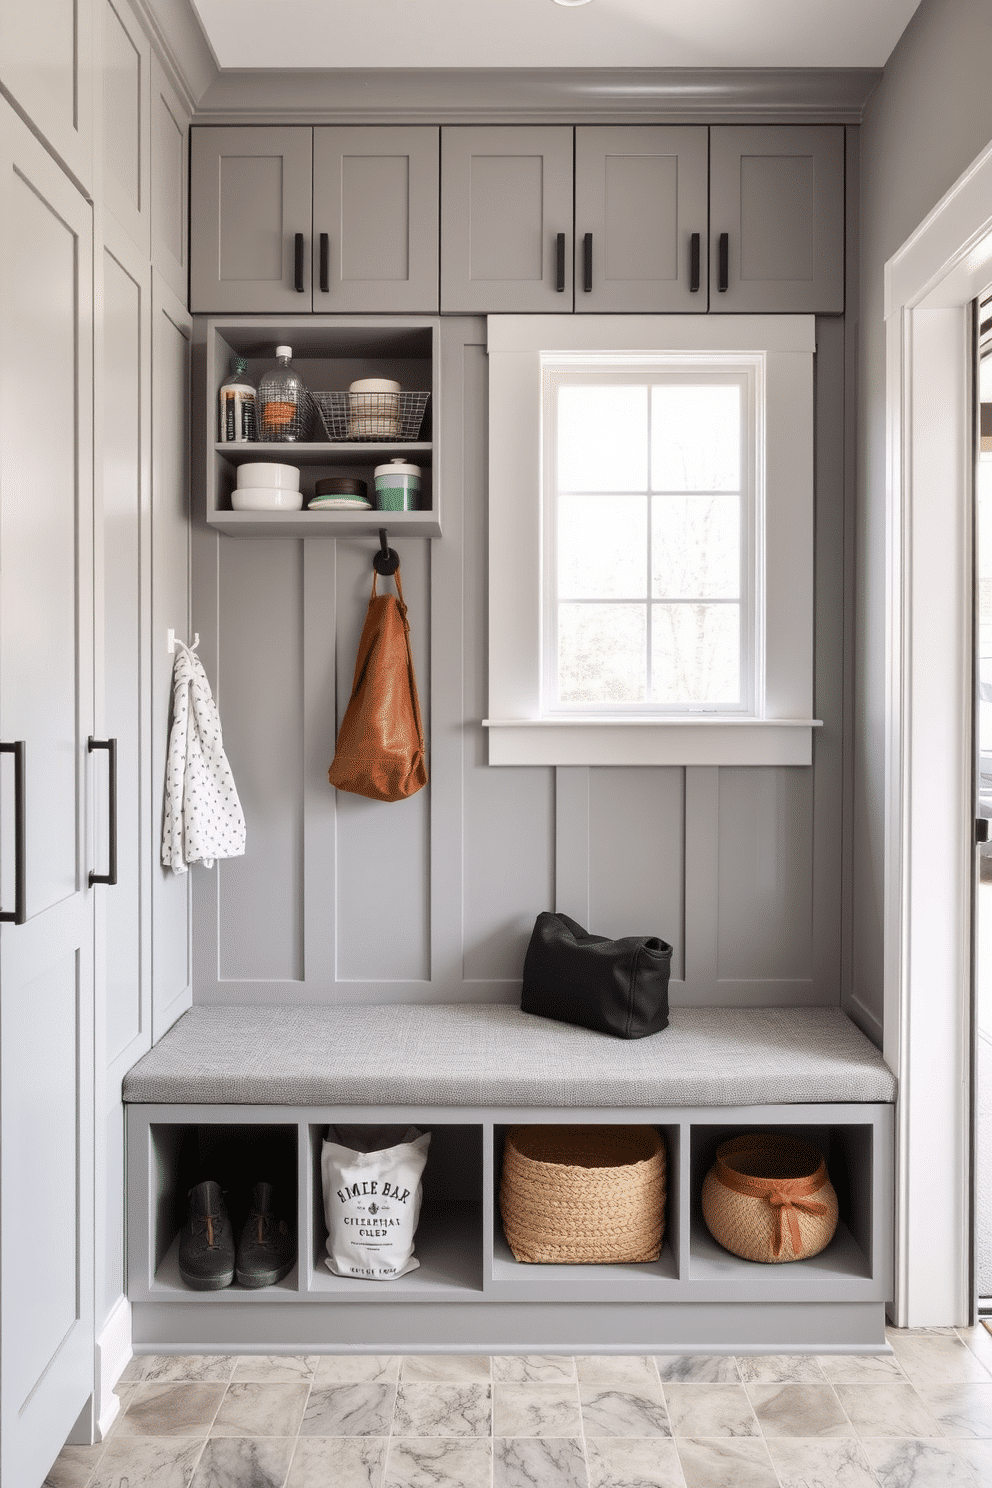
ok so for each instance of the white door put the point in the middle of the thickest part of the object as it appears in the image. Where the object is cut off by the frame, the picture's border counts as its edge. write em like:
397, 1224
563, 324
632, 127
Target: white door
46, 701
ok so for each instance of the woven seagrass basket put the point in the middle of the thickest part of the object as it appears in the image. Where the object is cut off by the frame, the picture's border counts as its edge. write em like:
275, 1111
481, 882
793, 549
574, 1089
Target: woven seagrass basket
583, 1193
768, 1198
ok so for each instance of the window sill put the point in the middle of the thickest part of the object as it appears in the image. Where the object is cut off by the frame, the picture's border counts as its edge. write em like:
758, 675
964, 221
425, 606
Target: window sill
651, 741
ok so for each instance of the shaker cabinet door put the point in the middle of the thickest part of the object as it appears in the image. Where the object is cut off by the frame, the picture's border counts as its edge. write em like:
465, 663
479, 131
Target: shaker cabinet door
375, 219
641, 212
506, 219
47, 844
250, 203
777, 218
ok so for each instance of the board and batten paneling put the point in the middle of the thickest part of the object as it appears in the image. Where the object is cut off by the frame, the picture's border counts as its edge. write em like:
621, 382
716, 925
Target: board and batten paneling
340, 899
171, 339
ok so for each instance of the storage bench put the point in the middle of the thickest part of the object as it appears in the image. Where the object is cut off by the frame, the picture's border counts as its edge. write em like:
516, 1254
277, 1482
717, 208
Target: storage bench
262, 1083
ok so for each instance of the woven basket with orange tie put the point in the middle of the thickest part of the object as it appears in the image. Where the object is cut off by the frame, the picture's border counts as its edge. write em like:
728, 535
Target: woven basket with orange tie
768, 1198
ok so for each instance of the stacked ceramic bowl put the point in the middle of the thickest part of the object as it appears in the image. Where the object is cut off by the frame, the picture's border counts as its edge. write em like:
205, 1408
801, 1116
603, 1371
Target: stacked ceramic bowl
374, 408
340, 493
267, 487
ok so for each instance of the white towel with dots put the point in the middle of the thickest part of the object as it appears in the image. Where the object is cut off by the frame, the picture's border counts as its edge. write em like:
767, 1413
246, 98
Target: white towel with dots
203, 816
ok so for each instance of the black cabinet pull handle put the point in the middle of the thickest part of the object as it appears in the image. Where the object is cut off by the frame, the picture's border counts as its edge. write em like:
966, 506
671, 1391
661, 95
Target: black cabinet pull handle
110, 745
724, 279
325, 263
299, 263
694, 264
19, 913
560, 251
587, 263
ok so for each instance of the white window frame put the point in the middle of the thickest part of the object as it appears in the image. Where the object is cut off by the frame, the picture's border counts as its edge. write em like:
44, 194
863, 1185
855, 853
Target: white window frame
778, 728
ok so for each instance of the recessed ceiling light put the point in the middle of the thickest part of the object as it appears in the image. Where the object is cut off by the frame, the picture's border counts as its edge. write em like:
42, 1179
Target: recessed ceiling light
571, 2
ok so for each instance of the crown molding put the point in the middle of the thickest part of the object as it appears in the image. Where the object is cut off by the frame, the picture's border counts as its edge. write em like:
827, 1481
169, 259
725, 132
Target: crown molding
182, 46
537, 95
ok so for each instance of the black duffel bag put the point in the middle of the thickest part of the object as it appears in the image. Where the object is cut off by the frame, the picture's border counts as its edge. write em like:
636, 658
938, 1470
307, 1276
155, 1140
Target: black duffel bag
612, 986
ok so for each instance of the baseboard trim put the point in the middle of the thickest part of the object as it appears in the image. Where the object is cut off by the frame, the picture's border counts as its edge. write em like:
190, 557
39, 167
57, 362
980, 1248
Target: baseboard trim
113, 1354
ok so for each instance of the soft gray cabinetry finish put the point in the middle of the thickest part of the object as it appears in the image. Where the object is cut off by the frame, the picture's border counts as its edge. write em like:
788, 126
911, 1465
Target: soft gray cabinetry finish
46, 699
170, 183
126, 120
46, 65
250, 196
507, 197
363, 200
375, 227
468, 1291
171, 374
778, 195
640, 196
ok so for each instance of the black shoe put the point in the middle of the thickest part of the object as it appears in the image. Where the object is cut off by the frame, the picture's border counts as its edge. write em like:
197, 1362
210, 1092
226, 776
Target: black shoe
206, 1241
267, 1247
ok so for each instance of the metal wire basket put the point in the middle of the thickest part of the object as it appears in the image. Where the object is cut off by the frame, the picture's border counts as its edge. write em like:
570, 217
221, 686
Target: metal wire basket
372, 416
285, 420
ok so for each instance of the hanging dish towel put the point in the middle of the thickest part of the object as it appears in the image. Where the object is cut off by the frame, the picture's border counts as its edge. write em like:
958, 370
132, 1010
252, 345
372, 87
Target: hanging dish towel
203, 816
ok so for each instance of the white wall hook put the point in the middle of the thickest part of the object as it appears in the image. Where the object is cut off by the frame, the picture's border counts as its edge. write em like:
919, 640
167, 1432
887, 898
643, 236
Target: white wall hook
171, 641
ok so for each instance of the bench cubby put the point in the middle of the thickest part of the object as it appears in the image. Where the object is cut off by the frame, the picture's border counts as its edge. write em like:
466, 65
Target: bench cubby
469, 1292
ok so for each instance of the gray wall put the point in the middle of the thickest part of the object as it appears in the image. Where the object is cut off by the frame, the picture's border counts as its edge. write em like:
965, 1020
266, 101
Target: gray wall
340, 899
927, 120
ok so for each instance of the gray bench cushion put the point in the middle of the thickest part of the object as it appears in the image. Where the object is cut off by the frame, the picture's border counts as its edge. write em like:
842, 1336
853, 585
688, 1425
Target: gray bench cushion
492, 1054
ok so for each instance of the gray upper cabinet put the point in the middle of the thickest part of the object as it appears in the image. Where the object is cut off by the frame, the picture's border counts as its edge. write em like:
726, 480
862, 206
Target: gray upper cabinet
250, 201
641, 213
506, 221
375, 219
327, 219
777, 218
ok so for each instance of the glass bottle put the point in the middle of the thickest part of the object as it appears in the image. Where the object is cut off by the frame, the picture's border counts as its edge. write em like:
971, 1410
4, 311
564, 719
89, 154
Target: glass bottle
284, 403
237, 405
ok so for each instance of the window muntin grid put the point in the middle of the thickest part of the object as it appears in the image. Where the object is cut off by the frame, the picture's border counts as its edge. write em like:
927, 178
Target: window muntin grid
651, 564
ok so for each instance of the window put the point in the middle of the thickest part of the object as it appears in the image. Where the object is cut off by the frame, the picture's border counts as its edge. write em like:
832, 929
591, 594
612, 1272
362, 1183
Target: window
651, 540
649, 512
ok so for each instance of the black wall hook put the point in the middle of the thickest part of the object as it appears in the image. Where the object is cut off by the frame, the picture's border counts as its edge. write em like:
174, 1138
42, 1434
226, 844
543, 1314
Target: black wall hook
387, 560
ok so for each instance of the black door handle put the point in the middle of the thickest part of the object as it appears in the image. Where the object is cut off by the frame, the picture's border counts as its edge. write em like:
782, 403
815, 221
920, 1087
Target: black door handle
560, 251
325, 263
694, 264
587, 263
299, 262
19, 913
110, 745
724, 278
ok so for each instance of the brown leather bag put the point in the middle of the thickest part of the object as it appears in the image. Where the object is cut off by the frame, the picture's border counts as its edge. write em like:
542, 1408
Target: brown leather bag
380, 748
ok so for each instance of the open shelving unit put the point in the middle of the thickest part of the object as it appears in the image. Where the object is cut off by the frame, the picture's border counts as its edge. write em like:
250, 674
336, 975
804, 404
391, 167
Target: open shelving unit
466, 1264
329, 353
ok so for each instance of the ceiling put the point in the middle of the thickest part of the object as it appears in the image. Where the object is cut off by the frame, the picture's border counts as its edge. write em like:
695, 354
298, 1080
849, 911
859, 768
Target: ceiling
539, 33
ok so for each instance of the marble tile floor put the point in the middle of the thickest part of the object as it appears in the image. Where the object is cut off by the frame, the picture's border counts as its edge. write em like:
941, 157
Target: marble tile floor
919, 1417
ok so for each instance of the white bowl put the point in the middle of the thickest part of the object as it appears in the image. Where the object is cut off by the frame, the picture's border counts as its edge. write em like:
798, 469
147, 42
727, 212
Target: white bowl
282, 477
266, 498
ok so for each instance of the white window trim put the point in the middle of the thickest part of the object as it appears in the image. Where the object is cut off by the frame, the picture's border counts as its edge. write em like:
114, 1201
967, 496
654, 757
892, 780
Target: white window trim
781, 734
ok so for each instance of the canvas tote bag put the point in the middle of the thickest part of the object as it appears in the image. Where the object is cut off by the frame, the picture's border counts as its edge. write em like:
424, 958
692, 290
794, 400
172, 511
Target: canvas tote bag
380, 748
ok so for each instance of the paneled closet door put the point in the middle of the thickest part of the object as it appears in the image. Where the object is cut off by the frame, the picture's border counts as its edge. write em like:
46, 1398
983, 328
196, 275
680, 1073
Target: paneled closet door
641, 215
46, 701
375, 219
251, 211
